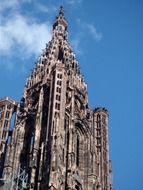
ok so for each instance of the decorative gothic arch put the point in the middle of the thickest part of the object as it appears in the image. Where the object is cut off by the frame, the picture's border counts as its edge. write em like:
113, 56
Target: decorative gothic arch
82, 143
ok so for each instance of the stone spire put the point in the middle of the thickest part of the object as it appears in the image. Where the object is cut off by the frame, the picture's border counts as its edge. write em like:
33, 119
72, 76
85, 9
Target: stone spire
58, 142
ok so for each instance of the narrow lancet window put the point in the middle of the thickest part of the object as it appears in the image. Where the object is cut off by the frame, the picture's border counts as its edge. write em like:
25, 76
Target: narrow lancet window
77, 151
60, 55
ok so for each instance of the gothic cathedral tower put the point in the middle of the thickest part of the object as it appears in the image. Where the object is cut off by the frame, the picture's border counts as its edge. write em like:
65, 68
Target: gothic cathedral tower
58, 142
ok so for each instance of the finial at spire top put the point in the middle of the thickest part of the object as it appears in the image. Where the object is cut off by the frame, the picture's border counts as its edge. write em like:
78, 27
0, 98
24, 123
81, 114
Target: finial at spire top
61, 12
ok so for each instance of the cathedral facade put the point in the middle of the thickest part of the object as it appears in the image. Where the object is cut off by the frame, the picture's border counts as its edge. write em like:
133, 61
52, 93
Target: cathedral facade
58, 142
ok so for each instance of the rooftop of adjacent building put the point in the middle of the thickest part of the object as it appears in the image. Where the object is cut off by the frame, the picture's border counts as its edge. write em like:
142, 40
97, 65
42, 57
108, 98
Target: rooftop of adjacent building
7, 99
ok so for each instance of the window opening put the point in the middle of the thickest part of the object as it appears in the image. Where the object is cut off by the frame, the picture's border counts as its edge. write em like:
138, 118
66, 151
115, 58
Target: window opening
77, 151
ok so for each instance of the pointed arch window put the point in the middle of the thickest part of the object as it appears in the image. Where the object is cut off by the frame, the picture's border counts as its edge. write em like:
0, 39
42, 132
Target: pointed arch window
60, 54
77, 150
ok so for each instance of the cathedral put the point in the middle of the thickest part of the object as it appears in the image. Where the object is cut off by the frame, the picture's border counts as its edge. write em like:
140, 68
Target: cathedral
57, 142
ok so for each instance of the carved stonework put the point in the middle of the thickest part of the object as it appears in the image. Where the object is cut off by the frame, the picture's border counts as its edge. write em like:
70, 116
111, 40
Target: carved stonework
58, 142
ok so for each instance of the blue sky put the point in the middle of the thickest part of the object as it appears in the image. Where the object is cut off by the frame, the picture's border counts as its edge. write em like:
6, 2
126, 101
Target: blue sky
107, 37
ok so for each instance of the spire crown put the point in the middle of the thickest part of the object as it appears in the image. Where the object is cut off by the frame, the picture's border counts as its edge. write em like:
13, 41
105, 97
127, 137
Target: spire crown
60, 19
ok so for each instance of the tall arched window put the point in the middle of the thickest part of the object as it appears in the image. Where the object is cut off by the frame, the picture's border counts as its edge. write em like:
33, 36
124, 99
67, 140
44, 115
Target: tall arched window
77, 150
60, 54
